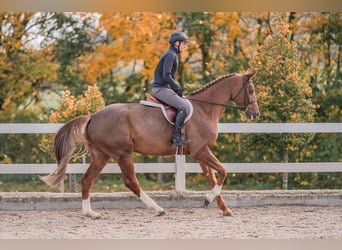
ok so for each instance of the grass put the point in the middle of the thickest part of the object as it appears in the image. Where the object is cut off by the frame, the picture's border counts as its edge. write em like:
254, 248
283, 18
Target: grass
108, 183
32, 183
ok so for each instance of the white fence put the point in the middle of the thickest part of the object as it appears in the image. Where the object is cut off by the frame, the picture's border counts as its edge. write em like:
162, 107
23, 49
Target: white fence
180, 167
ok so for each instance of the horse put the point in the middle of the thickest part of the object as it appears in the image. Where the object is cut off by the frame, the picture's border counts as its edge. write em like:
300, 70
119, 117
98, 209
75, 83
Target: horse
119, 129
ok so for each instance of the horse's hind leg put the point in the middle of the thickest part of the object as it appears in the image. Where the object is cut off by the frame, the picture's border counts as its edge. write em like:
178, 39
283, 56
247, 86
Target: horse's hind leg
211, 179
127, 168
99, 160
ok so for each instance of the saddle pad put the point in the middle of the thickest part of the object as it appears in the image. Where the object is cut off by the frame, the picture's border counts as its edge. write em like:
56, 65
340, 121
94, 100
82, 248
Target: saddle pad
168, 112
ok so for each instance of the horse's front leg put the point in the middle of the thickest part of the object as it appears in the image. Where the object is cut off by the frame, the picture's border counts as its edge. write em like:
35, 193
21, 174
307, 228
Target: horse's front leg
211, 179
207, 158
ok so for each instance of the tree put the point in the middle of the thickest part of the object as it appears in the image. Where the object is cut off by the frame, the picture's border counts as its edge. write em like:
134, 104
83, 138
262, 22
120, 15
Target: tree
70, 107
283, 96
22, 69
320, 52
319, 44
123, 66
73, 40
38, 50
198, 25
216, 36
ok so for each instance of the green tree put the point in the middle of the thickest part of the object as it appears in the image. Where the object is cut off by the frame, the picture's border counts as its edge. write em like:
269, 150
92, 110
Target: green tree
72, 42
216, 35
38, 50
283, 96
22, 69
320, 45
198, 26
66, 37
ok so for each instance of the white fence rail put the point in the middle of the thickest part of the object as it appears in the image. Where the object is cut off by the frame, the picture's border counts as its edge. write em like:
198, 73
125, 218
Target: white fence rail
180, 167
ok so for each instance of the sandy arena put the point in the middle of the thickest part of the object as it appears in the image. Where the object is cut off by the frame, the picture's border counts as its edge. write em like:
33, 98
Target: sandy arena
267, 222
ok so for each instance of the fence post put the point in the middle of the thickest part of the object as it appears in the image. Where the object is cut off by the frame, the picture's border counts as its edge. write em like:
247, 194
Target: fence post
160, 175
286, 175
72, 183
180, 172
62, 185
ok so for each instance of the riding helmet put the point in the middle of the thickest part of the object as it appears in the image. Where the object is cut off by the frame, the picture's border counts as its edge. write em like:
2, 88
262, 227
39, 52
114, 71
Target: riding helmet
177, 36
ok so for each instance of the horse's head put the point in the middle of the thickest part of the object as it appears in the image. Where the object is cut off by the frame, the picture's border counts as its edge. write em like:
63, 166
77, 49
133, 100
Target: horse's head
245, 97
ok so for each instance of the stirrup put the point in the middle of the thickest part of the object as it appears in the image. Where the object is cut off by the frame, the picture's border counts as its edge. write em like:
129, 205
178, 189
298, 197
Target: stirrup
179, 141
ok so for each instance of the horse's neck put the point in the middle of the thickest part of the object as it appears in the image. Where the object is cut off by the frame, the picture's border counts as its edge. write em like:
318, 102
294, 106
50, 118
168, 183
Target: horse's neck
219, 93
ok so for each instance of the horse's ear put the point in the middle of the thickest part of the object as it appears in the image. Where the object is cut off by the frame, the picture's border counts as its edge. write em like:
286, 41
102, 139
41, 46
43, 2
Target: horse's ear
249, 74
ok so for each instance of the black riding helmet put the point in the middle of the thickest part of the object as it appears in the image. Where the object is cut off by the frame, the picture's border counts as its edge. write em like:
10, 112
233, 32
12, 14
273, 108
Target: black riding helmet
177, 36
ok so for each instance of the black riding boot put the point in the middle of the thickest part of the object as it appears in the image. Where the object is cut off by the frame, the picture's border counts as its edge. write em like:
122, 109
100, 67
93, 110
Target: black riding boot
177, 137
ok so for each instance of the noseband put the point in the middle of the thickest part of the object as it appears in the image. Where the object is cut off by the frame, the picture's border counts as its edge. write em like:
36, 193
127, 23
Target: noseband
246, 101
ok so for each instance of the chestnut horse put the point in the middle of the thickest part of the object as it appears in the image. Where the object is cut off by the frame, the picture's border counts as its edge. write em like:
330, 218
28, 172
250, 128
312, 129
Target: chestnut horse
118, 130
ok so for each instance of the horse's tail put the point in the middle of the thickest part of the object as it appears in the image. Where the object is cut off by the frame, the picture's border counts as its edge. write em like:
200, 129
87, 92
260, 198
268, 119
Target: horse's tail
64, 146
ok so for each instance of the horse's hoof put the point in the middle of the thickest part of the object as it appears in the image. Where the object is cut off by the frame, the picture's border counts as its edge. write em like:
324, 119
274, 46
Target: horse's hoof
206, 203
229, 214
161, 213
96, 216
93, 215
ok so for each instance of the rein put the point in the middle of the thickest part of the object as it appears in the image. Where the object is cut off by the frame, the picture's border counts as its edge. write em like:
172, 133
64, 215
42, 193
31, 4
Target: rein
246, 102
215, 103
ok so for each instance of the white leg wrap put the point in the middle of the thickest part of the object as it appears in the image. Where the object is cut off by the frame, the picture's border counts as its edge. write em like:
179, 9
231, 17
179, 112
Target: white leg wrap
86, 210
86, 206
149, 202
215, 191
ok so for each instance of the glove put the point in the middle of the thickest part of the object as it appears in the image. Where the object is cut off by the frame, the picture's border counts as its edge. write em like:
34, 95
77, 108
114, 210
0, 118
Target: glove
179, 91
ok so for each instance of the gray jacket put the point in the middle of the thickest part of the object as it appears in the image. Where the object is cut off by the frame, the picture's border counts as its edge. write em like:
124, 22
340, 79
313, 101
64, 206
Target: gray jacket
165, 72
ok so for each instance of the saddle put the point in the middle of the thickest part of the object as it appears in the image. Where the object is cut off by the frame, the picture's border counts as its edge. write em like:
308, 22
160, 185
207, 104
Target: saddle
168, 112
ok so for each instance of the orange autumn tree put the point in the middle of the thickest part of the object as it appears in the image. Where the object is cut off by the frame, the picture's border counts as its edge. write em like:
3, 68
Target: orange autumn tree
123, 66
70, 107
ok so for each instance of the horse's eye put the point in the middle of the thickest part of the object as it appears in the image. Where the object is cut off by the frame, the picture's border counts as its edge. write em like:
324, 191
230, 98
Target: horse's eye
251, 92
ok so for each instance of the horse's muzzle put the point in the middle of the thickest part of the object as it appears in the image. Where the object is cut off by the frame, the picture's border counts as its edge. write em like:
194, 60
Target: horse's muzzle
251, 114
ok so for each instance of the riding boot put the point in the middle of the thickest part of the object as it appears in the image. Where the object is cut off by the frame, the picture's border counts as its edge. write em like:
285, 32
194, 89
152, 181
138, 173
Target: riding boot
177, 137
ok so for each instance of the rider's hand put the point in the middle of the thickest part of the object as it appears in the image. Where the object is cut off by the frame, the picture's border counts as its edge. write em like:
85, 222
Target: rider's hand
179, 91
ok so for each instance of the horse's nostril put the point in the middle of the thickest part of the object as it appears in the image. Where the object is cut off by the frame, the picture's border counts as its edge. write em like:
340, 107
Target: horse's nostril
258, 114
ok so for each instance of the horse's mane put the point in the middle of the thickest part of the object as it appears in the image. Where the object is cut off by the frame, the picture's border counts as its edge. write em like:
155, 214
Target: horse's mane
211, 84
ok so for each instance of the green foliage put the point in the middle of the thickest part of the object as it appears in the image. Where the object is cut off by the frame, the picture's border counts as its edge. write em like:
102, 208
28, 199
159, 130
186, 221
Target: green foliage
320, 56
283, 96
72, 44
22, 69
198, 25
23, 148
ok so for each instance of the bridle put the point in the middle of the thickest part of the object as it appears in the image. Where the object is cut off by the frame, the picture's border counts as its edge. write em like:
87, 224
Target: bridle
247, 102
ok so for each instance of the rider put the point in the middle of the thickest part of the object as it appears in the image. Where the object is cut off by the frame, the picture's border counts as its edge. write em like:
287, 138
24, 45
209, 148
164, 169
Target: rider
166, 88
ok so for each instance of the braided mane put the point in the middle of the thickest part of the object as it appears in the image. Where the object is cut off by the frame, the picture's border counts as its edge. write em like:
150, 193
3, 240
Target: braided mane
213, 82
